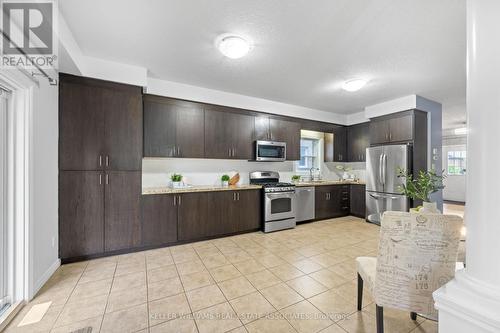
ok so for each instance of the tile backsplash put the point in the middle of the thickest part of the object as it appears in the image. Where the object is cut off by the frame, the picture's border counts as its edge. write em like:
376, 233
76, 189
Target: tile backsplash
157, 171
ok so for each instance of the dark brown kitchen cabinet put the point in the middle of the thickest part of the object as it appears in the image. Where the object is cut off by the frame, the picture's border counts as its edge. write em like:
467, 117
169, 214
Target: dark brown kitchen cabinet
249, 210
358, 200
81, 213
159, 219
335, 145
173, 128
100, 125
392, 128
331, 201
122, 210
358, 140
193, 220
277, 129
228, 135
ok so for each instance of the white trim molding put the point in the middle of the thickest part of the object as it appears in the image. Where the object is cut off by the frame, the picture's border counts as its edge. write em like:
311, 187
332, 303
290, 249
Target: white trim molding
46, 276
468, 305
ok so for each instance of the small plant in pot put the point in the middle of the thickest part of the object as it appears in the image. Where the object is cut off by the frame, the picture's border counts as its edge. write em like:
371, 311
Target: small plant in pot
296, 178
225, 180
421, 188
176, 179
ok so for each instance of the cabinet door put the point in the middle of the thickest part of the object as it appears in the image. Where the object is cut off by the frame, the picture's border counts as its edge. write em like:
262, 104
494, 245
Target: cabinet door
192, 220
242, 136
262, 131
81, 213
123, 131
379, 131
322, 203
340, 200
340, 144
352, 144
190, 131
159, 219
401, 128
222, 213
289, 132
218, 134
81, 127
122, 210
358, 200
328, 147
159, 129
364, 140
249, 210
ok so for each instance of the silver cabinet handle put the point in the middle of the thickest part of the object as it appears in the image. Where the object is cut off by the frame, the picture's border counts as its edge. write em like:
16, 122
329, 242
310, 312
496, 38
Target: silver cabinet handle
107, 160
107, 179
100, 160
229, 152
179, 200
238, 193
100, 179
174, 201
234, 196
390, 136
233, 152
178, 151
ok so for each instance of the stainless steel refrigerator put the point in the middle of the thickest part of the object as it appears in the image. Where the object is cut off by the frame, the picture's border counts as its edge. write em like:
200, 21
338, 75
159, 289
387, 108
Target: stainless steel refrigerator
382, 183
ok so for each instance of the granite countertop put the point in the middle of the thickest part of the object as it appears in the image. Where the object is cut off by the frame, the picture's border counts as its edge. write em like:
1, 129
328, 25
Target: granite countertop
328, 182
197, 188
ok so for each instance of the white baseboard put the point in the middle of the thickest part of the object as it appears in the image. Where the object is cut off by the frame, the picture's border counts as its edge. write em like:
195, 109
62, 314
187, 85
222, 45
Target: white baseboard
45, 277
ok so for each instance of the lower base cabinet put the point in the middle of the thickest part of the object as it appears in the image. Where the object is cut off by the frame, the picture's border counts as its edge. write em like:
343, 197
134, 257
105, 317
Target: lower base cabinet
358, 200
331, 201
192, 217
159, 219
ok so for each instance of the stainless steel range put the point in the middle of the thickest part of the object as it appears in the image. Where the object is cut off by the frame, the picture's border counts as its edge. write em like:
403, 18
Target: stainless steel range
279, 200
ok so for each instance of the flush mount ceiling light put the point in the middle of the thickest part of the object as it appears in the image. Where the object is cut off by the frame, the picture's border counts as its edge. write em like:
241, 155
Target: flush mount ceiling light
461, 131
353, 84
232, 46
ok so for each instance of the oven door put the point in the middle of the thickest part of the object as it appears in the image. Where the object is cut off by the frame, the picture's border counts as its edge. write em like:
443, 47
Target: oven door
279, 206
270, 151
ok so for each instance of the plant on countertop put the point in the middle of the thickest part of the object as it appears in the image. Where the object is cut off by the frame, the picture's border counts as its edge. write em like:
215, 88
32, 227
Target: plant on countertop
295, 178
176, 177
225, 178
421, 187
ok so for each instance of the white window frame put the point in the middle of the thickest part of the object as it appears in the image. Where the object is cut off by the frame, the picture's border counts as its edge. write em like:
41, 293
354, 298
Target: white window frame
313, 136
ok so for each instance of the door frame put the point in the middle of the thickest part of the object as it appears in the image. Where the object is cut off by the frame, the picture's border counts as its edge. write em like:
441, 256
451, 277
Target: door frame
19, 194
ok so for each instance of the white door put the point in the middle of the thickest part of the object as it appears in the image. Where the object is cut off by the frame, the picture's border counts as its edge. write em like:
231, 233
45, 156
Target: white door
4, 249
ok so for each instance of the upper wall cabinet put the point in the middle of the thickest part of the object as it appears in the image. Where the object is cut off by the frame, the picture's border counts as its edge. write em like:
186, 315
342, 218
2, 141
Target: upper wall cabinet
335, 145
228, 135
100, 125
358, 139
173, 128
277, 129
393, 128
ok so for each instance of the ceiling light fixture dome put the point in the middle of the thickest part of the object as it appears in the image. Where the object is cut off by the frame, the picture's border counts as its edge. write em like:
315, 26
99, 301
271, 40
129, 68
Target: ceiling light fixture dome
232, 46
353, 84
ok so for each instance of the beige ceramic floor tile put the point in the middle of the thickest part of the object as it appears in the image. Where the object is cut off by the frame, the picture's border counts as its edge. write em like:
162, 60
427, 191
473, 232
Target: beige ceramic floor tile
251, 307
427, 326
180, 325
305, 318
224, 273
332, 304
218, 318
286, 272
128, 320
215, 260
281, 296
274, 323
44, 325
263, 279
168, 308
126, 299
271, 261
328, 278
159, 260
360, 321
236, 287
396, 319
130, 267
238, 257
190, 267
333, 329
82, 309
94, 323
129, 281
196, 280
164, 288
307, 266
306, 286
249, 266
162, 273
205, 297
183, 256
90, 289
98, 274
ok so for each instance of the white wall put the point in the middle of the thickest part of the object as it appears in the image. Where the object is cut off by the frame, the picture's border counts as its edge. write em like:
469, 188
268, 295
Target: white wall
44, 185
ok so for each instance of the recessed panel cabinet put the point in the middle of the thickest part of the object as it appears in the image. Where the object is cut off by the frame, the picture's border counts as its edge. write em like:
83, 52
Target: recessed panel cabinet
358, 200
395, 128
159, 219
277, 129
331, 201
358, 139
335, 145
173, 128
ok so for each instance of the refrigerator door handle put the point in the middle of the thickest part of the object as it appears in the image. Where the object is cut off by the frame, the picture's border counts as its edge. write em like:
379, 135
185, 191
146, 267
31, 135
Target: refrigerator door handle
384, 168
376, 197
380, 161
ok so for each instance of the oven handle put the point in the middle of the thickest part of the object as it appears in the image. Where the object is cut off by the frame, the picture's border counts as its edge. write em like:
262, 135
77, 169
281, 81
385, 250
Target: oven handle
281, 195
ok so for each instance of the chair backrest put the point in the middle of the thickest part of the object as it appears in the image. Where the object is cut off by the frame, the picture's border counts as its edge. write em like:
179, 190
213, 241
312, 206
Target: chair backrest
417, 255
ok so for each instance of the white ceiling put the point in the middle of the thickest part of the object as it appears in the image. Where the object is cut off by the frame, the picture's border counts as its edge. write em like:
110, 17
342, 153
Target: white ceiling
303, 50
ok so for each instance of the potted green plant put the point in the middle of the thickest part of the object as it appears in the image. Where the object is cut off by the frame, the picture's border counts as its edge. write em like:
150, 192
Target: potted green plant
296, 178
421, 188
176, 179
225, 180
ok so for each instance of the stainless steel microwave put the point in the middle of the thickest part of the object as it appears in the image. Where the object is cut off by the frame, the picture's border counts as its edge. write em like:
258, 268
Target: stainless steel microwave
270, 151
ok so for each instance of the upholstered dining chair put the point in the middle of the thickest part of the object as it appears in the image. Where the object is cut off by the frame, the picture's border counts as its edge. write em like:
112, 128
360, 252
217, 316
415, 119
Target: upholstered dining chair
416, 255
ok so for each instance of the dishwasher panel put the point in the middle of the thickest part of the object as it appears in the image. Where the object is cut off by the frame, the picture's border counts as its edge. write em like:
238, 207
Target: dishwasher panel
304, 201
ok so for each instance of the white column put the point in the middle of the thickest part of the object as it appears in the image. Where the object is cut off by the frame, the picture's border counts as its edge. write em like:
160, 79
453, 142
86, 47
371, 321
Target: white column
471, 301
